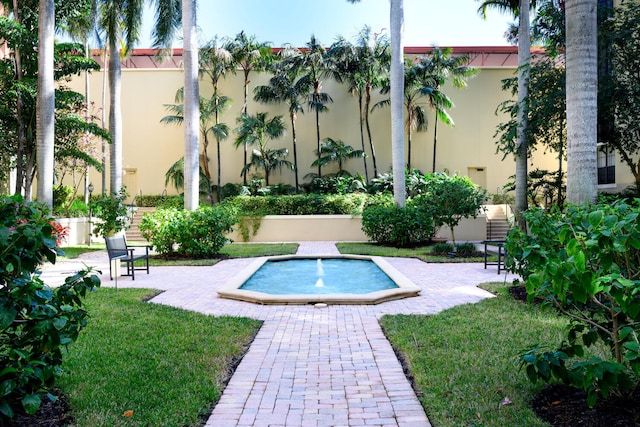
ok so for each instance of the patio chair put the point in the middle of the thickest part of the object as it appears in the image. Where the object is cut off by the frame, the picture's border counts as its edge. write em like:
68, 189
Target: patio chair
118, 249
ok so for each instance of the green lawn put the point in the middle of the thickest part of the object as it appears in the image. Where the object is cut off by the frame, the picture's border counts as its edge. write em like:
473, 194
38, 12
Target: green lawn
421, 252
72, 252
464, 361
166, 365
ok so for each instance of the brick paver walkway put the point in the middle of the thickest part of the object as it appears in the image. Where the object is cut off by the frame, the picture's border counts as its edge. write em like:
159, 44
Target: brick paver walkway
309, 366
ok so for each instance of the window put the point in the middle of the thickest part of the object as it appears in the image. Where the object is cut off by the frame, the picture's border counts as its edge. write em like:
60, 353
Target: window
606, 165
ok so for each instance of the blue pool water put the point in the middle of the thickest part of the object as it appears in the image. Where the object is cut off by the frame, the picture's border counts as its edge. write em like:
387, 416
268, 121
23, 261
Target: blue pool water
319, 276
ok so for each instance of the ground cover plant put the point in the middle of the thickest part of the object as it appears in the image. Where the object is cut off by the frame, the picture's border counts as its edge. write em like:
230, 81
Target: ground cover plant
167, 366
464, 360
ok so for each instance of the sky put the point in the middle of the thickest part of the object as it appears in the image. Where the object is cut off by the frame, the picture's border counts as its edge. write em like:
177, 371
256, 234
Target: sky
427, 22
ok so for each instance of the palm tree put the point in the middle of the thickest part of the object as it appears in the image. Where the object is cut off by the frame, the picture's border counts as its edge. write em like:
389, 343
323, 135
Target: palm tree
396, 18
582, 108
209, 109
337, 152
519, 8
313, 62
439, 67
285, 87
45, 102
418, 83
257, 130
373, 66
397, 86
344, 59
248, 54
191, 106
215, 62
121, 21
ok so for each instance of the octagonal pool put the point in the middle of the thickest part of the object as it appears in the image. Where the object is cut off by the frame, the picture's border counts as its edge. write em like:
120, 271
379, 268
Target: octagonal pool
335, 279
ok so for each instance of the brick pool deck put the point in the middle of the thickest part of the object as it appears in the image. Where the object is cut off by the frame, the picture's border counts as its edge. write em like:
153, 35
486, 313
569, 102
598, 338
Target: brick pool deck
311, 366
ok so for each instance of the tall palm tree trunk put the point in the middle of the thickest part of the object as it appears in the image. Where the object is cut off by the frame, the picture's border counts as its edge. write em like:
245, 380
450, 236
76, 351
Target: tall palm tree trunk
104, 119
409, 137
364, 158
45, 118
244, 111
318, 142
524, 52
115, 117
435, 143
582, 107
397, 95
219, 157
292, 115
367, 104
191, 107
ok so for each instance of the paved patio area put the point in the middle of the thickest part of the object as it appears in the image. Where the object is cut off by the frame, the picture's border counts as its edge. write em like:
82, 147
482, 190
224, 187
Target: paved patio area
311, 366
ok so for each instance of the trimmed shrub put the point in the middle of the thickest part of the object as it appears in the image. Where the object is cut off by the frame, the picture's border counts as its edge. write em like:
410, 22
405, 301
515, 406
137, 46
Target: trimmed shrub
197, 234
301, 204
36, 322
397, 226
442, 248
466, 249
159, 201
335, 185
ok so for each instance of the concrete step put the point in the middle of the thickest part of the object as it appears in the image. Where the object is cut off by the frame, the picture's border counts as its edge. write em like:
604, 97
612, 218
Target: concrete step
133, 233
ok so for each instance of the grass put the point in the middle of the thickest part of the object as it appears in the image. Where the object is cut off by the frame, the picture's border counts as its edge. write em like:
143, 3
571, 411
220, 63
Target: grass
421, 252
233, 250
464, 361
72, 252
166, 365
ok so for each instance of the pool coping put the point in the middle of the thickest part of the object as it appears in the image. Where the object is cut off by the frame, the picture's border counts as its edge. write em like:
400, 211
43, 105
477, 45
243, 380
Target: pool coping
406, 288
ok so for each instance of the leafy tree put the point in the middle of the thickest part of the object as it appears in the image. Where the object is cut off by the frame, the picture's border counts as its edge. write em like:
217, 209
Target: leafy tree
337, 152
619, 90
250, 55
452, 198
18, 86
547, 123
258, 130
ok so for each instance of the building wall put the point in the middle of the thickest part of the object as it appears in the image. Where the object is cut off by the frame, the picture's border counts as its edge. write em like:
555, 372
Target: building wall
150, 148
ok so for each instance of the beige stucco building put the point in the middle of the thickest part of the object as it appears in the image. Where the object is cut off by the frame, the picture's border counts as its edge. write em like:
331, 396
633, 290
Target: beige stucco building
150, 147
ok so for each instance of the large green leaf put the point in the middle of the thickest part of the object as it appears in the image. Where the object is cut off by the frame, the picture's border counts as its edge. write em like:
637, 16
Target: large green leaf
7, 316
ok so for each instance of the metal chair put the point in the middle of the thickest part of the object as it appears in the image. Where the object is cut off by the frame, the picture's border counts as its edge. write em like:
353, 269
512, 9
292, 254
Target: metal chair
118, 249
